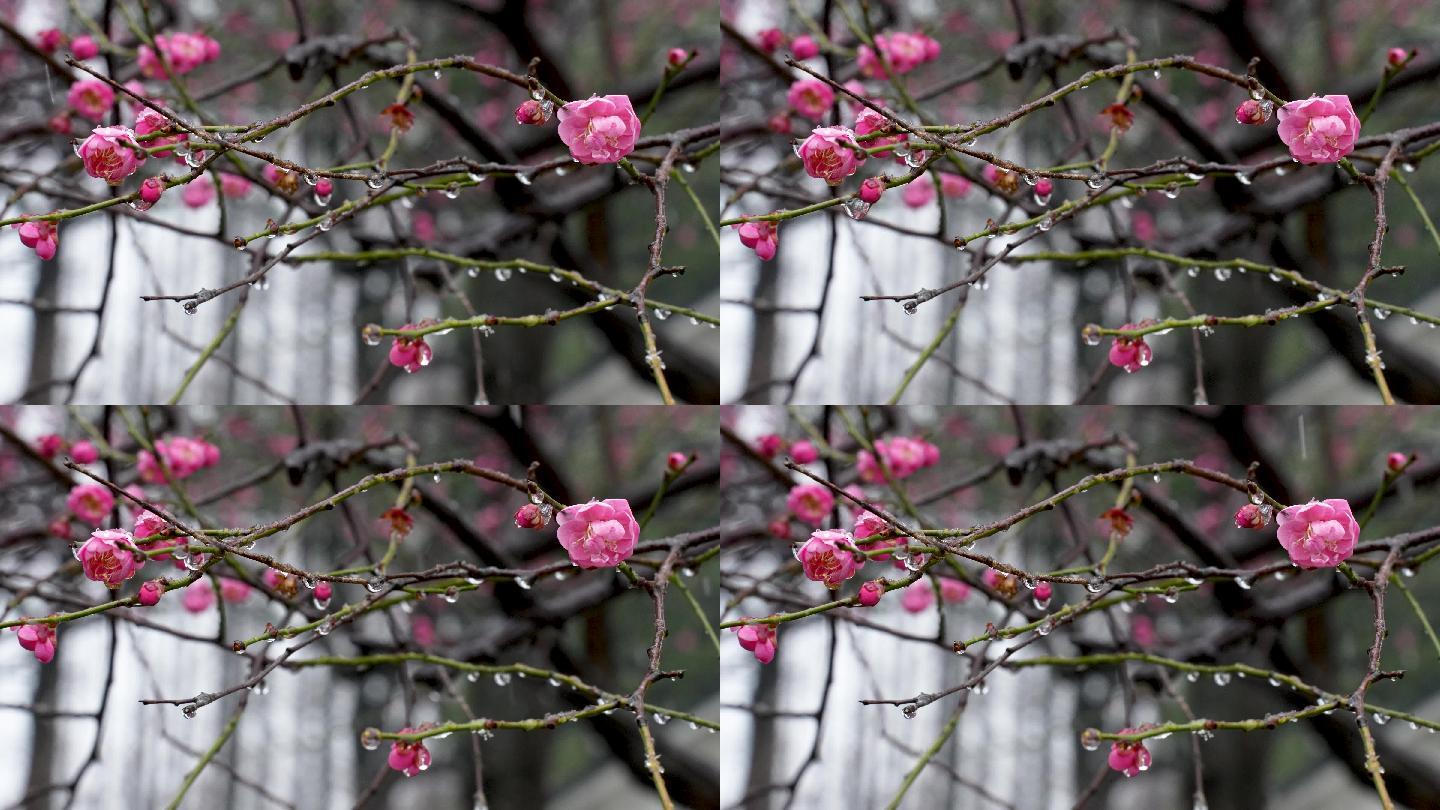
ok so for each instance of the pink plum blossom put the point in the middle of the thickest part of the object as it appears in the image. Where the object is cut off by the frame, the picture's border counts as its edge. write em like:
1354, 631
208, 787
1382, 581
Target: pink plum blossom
148, 121
109, 557
760, 639
233, 185
918, 597
769, 445
90, 502
409, 758
198, 192
1320, 129
804, 452
39, 639
810, 98
600, 129
410, 353
233, 590
953, 185
84, 452
804, 47
1129, 758
770, 39
50, 40
869, 121
1130, 353
91, 98
761, 236
1318, 534
918, 193
826, 558
199, 596
598, 534
111, 154
50, 445
953, 590
810, 503
831, 154
84, 47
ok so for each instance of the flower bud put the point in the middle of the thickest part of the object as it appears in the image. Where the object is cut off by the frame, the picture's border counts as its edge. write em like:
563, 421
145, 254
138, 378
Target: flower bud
533, 113
803, 452
151, 189
675, 462
1253, 112
1252, 516
870, 592
676, 56
1396, 56
530, 516
1396, 461
871, 189
150, 592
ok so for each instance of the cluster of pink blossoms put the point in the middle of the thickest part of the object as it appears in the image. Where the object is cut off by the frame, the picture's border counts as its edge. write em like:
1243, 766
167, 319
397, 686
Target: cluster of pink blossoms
904, 51
181, 52
53, 39
40, 236
760, 236
39, 639
903, 456
598, 534
51, 445
182, 456
760, 639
